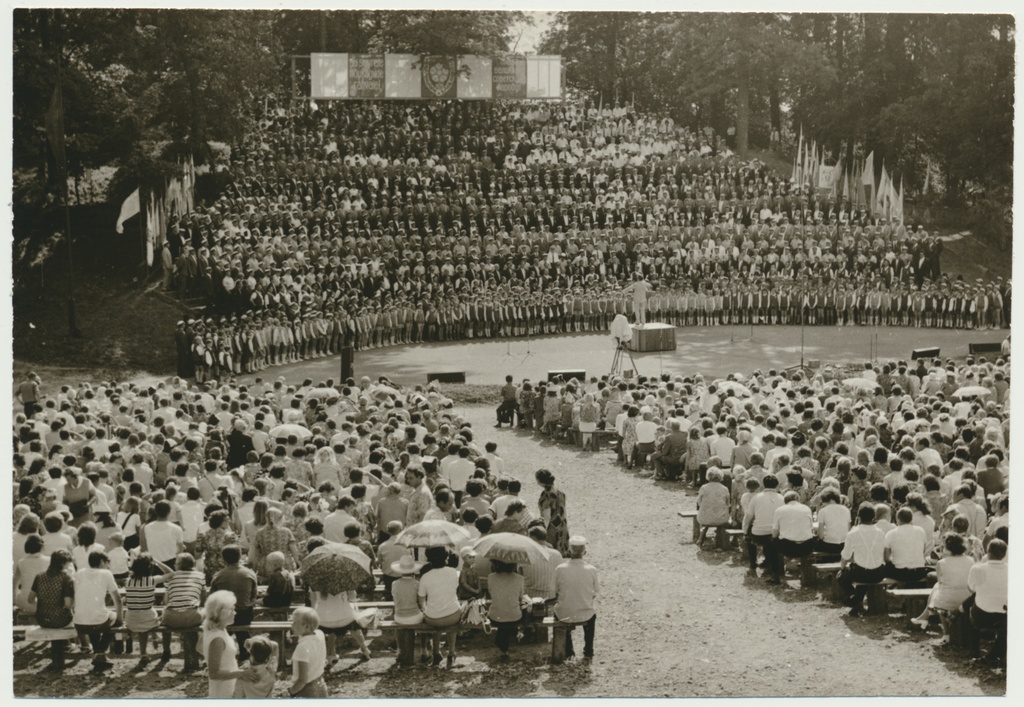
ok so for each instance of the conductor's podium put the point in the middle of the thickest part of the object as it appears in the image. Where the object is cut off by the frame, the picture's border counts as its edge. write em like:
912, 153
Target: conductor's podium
653, 336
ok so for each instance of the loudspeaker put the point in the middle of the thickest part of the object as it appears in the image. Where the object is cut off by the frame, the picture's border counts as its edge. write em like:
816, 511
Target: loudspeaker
347, 358
925, 353
581, 376
985, 347
448, 377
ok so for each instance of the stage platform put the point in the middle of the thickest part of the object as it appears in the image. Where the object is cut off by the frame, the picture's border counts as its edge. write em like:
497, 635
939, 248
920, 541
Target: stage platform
653, 336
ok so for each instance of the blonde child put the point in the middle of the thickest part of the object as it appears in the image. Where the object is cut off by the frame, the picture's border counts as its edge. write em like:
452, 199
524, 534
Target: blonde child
262, 660
120, 559
309, 659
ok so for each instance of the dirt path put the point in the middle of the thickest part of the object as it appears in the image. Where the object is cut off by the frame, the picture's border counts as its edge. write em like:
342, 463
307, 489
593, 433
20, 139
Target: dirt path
672, 622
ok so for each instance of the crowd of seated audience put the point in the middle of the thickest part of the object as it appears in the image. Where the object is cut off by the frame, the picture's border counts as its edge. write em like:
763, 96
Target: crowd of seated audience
120, 489
905, 479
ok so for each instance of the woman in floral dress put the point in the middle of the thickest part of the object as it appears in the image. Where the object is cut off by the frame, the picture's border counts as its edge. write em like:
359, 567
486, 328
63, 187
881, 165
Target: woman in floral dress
552, 510
629, 434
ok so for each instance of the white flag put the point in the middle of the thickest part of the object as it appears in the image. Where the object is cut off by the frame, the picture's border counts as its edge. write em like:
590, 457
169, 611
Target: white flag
129, 208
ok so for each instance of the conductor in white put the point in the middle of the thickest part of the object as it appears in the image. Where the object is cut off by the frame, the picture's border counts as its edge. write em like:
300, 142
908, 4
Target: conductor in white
641, 289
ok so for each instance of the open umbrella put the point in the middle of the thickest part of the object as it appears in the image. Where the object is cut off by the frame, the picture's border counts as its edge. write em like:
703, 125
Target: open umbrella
336, 567
432, 533
864, 384
735, 388
511, 548
971, 391
288, 430
322, 393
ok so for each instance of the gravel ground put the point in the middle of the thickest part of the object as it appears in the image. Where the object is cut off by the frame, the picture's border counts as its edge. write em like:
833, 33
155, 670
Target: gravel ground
672, 621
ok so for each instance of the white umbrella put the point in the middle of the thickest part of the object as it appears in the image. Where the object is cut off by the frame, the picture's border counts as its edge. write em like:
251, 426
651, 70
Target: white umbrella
432, 533
735, 388
321, 393
289, 430
510, 547
864, 384
971, 391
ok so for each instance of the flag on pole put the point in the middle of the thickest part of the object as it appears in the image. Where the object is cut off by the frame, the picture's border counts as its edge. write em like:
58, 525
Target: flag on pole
129, 208
867, 179
927, 175
799, 176
899, 202
883, 192
55, 136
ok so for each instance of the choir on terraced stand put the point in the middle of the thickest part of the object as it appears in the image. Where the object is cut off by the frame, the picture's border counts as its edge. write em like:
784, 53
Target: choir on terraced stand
385, 223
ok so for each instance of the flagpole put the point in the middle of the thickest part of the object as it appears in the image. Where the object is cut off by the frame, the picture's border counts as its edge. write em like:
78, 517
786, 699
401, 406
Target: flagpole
142, 233
63, 175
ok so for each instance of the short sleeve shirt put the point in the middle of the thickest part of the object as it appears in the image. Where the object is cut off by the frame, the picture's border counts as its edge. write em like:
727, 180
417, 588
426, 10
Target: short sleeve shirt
91, 589
50, 591
440, 589
311, 650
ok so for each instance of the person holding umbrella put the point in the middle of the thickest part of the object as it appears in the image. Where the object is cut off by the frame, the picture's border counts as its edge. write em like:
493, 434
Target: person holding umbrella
332, 572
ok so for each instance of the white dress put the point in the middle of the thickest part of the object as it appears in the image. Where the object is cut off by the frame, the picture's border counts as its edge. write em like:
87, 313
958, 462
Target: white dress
228, 663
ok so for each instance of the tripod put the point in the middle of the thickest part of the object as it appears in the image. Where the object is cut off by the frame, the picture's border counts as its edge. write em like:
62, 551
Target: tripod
617, 359
802, 368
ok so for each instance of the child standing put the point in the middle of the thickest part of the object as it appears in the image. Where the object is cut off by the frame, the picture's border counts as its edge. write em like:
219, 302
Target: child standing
262, 660
310, 657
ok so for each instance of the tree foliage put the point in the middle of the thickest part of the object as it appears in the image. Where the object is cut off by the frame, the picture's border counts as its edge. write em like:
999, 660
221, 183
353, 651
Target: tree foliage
141, 86
912, 88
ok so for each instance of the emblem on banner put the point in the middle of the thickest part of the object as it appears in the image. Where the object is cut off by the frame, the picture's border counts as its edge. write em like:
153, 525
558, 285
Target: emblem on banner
439, 74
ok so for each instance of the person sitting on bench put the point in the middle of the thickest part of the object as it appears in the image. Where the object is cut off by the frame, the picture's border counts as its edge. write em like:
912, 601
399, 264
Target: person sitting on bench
904, 549
862, 560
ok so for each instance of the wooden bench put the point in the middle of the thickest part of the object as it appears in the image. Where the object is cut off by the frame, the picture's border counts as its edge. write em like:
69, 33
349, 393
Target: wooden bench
277, 629
823, 569
405, 637
561, 629
692, 515
914, 599
877, 598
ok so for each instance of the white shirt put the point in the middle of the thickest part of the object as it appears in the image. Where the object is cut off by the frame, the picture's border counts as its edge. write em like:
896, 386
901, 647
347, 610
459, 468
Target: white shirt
497, 464
191, 514
91, 589
439, 588
459, 472
722, 448
793, 521
311, 650
906, 545
988, 581
833, 523
163, 539
865, 546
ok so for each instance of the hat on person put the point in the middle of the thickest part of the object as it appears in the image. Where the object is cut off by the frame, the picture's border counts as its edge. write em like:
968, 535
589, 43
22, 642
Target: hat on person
577, 541
406, 565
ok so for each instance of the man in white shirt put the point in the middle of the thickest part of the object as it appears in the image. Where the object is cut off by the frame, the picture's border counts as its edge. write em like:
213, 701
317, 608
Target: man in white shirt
93, 585
163, 539
792, 533
496, 462
459, 472
576, 589
758, 524
988, 581
862, 560
904, 549
191, 515
723, 447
